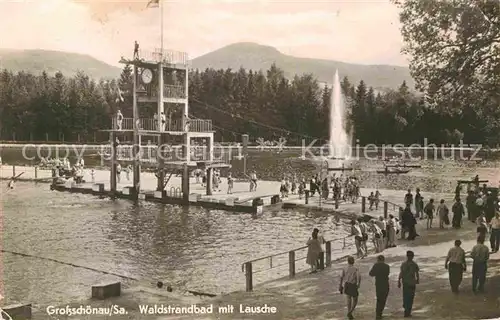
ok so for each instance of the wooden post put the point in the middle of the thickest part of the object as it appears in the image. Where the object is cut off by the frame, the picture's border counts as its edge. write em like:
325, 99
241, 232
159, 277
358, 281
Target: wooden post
336, 203
36, 172
185, 183
137, 138
248, 276
307, 196
54, 177
13, 170
14, 136
386, 209
328, 252
114, 148
46, 137
209, 181
363, 204
78, 138
321, 264
291, 264
160, 185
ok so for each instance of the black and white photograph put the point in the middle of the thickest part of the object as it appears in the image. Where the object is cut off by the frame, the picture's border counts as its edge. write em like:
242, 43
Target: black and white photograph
249, 159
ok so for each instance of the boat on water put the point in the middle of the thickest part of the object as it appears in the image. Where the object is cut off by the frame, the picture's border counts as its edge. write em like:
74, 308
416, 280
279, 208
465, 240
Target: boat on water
393, 171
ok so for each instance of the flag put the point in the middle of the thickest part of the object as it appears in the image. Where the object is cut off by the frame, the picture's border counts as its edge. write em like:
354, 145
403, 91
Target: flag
153, 4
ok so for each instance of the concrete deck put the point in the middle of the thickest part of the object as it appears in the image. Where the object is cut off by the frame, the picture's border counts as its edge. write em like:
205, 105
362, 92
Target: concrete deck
240, 190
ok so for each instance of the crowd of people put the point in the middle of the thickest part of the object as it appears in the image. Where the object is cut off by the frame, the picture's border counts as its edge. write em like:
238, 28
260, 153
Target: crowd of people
480, 208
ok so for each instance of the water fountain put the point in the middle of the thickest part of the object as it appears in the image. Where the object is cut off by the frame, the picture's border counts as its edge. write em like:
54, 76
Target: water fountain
339, 144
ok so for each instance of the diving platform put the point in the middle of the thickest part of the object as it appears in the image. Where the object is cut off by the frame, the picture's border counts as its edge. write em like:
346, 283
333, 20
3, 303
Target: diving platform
180, 144
169, 58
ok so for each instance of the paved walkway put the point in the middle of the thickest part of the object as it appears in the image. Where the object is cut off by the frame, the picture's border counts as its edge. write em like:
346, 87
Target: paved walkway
315, 296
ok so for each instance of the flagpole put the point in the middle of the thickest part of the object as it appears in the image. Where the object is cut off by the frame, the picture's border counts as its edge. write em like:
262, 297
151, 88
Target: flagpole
161, 26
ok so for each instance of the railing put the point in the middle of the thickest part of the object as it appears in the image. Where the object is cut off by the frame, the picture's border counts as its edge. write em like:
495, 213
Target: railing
149, 153
174, 91
325, 258
165, 56
193, 125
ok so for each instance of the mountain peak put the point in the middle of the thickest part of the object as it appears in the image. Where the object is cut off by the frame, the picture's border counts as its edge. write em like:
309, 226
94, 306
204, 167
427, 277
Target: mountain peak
251, 46
254, 56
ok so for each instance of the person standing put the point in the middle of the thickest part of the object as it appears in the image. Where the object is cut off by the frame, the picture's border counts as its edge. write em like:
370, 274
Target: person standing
382, 224
442, 211
358, 238
136, 50
119, 119
419, 205
364, 234
391, 231
377, 236
350, 282
380, 271
118, 173
408, 223
495, 233
429, 212
313, 251
409, 278
458, 212
470, 203
456, 265
409, 198
480, 254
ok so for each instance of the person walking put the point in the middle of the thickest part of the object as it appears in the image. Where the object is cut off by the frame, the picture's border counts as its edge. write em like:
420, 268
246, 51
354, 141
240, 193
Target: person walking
350, 282
408, 278
408, 223
495, 233
380, 271
458, 212
480, 254
456, 265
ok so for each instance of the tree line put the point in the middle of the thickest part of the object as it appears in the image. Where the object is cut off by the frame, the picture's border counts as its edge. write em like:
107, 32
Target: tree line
262, 104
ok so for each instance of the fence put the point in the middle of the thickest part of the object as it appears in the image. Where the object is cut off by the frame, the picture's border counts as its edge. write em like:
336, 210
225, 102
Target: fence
54, 138
194, 125
165, 56
325, 259
149, 153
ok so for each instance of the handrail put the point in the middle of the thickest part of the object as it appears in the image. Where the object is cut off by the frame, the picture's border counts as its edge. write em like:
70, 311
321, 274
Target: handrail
285, 252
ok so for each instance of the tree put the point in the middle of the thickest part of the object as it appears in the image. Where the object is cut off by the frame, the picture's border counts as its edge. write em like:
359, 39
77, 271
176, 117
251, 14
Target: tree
454, 48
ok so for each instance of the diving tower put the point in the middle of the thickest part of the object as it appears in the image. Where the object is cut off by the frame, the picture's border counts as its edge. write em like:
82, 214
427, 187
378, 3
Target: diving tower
160, 112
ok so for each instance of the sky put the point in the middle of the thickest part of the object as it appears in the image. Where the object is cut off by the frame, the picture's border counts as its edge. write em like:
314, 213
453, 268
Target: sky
365, 32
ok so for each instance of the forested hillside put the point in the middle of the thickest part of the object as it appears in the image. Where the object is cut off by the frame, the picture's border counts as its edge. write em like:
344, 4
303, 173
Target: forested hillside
267, 105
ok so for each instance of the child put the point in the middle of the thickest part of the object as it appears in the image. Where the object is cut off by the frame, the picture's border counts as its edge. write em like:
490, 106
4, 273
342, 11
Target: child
230, 183
128, 170
92, 175
294, 184
302, 188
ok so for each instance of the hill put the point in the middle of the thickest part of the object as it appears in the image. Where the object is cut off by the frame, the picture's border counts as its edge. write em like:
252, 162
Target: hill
260, 57
37, 61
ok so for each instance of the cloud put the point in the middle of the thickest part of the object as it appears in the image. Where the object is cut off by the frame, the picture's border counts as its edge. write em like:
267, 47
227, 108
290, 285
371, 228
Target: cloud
350, 31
